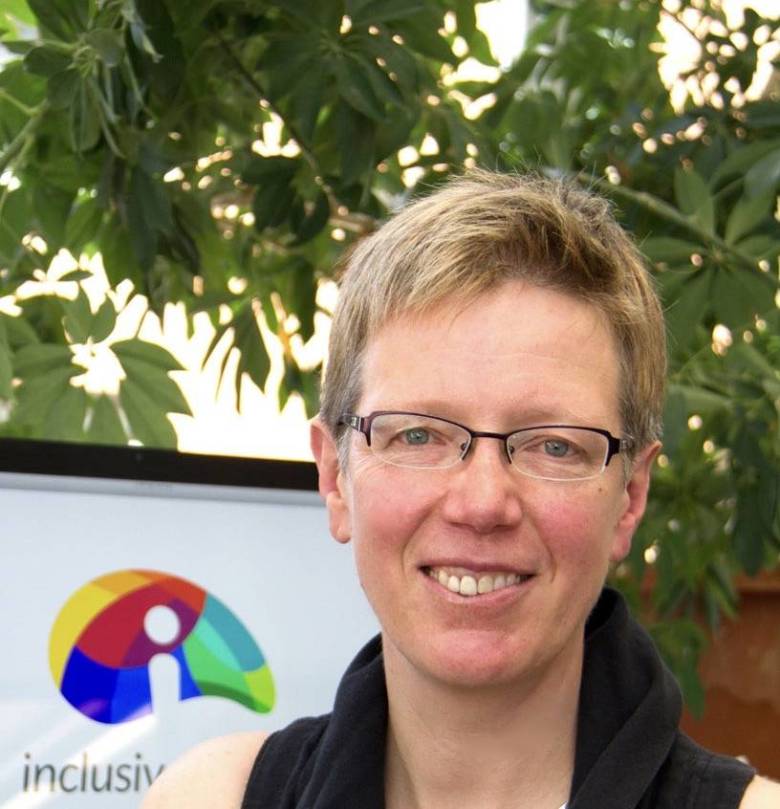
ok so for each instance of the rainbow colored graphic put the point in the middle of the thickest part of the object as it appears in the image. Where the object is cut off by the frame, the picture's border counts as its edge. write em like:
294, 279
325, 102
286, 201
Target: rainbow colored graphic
99, 651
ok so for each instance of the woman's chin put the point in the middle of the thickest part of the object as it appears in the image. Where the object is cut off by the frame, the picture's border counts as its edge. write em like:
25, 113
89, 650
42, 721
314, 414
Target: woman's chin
471, 659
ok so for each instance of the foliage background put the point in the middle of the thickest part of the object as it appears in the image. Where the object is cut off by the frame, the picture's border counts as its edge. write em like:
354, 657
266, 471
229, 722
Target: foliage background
137, 129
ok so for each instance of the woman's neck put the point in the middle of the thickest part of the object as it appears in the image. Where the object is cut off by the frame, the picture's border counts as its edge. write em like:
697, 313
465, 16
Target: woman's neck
507, 747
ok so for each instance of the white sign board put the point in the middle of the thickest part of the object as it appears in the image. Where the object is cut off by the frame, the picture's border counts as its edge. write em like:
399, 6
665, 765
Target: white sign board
121, 597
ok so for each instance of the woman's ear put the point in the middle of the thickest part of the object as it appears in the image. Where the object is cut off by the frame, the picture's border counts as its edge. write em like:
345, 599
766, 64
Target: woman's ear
332, 481
635, 500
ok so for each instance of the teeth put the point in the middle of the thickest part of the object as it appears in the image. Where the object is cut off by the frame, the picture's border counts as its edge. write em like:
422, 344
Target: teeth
468, 586
471, 585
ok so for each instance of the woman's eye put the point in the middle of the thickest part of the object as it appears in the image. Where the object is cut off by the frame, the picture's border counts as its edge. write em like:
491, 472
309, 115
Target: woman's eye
556, 448
417, 436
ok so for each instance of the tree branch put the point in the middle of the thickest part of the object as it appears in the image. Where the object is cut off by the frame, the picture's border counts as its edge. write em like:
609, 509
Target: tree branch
258, 88
671, 214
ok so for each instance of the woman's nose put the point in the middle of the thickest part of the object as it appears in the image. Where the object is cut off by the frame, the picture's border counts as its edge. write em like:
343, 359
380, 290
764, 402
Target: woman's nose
484, 490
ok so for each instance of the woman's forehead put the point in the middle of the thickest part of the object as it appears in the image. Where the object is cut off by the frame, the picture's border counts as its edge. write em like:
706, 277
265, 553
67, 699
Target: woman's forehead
519, 346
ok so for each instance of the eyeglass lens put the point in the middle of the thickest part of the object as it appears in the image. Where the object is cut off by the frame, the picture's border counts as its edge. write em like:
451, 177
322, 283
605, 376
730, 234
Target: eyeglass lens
555, 453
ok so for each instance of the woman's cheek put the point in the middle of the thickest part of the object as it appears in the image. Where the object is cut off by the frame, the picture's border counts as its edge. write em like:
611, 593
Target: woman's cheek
569, 526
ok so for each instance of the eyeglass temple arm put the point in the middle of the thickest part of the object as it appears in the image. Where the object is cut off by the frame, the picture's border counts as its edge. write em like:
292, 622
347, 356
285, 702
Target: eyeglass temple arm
359, 423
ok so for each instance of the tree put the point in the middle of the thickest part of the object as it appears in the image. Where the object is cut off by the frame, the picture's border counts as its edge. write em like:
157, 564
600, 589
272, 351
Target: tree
139, 129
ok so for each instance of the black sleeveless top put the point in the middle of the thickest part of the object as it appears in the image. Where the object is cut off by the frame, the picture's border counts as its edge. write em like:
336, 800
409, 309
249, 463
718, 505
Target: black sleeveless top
629, 752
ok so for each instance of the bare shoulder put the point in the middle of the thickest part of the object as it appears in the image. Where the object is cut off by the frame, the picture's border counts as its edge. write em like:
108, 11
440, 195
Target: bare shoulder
213, 775
761, 794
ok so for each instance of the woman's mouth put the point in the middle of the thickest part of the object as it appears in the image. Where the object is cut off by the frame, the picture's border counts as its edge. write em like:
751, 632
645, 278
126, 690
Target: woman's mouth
470, 583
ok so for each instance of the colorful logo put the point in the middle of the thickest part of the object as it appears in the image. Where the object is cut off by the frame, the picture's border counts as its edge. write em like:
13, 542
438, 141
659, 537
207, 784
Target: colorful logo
99, 649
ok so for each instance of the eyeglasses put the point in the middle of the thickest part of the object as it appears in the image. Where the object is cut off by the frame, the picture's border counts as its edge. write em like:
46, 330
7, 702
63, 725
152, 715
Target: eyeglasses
547, 452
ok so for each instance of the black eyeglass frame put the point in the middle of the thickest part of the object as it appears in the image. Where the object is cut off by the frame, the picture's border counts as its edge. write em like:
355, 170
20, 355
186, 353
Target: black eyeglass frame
362, 424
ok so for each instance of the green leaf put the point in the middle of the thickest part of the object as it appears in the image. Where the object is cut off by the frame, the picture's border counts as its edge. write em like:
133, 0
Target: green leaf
156, 385
39, 394
399, 60
17, 46
763, 115
82, 225
304, 293
692, 688
19, 10
62, 88
310, 392
275, 195
355, 87
108, 45
700, 400
40, 358
140, 223
17, 214
738, 295
272, 203
64, 18
675, 420
670, 250
150, 202
105, 426
103, 322
168, 64
753, 526
292, 382
254, 359
260, 170
78, 318
148, 422
460, 134
742, 159
269, 313
480, 49
75, 275
686, 297
467, 18
84, 120
314, 221
6, 364
20, 333
289, 60
312, 12
52, 206
757, 495
694, 198
384, 87
760, 246
65, 419
146, 352
748, 214
306, 103
764, 177
356, 135
394, 135
748, 358
47, 61
378, 11
142, 41
421, 34
118, 256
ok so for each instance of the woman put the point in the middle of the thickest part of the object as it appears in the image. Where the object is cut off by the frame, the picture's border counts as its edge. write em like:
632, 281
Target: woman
489, 421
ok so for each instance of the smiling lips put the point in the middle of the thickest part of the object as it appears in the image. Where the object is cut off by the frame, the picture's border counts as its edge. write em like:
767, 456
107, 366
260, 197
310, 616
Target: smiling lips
471, 584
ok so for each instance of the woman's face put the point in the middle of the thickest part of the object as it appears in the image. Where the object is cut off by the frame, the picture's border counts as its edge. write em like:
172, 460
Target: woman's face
518, 356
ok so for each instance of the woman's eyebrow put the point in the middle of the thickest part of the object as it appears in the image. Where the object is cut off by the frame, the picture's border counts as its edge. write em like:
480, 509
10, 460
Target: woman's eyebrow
515, 416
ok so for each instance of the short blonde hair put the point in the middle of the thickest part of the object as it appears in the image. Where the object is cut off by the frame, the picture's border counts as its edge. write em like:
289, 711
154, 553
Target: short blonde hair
478, 231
